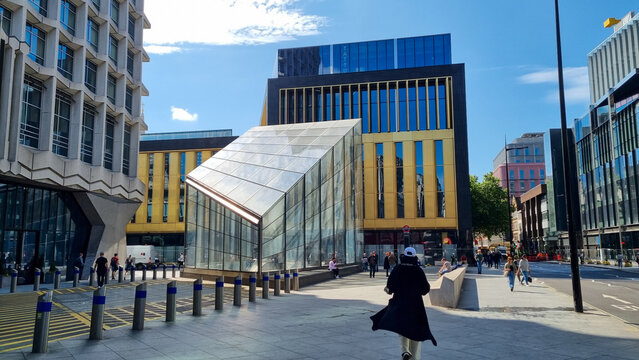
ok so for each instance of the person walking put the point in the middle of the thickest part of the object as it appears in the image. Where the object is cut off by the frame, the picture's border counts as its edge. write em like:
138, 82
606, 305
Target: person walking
509, 272
620, 260
79, 263
497, 258
127, 265
489, 259
376, 261
524, 268
392, 261
115, 264
364, 262
180, 261
386, 263
372, 265
101, 268
332, 266
479, 258
405, 314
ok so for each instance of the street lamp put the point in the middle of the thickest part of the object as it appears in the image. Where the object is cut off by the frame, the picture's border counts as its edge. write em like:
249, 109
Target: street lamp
574, 260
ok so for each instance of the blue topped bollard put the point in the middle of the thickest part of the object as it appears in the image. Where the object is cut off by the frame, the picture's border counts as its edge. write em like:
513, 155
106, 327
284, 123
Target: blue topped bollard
41, 329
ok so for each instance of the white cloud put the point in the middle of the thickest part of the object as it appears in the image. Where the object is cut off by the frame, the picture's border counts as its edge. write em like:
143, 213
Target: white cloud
575, 83
161, 49
182, 114
226, 22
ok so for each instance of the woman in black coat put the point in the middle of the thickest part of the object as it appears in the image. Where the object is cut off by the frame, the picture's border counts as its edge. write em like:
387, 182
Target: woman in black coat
405, 313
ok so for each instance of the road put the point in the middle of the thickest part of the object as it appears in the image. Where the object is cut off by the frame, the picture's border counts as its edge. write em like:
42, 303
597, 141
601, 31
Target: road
613, 291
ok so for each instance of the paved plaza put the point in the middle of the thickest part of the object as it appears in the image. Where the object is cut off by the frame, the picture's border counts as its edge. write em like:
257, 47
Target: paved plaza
331, 320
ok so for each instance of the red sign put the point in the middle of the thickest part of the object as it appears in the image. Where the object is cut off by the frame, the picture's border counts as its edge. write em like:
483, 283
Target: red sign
406, 229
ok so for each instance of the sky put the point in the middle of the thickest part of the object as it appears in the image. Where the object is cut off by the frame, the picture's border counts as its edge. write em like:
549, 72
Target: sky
210, 59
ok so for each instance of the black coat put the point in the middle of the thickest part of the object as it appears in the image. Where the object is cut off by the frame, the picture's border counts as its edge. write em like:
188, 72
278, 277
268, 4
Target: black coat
405, 313
386, 263
372, 260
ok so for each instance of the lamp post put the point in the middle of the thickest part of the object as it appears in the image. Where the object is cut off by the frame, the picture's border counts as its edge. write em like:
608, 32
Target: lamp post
574, 260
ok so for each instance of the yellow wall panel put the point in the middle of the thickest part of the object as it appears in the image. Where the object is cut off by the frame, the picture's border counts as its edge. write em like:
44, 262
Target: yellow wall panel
369, 155
449, 178
371, 206
449, 152
206, 154
143, 175
158, 188
174, 187
429, 152
451, 208
191, 161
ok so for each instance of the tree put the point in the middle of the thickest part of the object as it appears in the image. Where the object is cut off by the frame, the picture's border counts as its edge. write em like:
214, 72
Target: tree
490, 206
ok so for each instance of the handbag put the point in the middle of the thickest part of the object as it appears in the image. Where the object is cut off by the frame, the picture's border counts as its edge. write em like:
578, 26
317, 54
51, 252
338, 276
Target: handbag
529, 279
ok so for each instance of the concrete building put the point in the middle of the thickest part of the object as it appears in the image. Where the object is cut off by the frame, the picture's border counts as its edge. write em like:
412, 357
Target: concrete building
526, 167
607, 146
70, 120
164, 161
411, 99
532, 208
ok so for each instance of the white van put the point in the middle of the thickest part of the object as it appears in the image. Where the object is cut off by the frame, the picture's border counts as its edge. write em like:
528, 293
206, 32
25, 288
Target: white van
141, 253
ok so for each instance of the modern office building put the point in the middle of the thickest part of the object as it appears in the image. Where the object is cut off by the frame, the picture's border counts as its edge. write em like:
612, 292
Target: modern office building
526, 168
411, 99
164, 161
608, 146
278, 197
532, 208
70, 120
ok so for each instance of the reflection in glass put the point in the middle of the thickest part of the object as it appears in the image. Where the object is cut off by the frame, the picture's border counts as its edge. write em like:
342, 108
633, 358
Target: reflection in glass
412, 107
399, 172
419, 167
402, 106
379, 167
439, 168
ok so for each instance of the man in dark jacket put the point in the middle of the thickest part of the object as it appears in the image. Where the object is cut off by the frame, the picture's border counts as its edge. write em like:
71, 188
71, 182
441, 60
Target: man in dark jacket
372, 264
405, 313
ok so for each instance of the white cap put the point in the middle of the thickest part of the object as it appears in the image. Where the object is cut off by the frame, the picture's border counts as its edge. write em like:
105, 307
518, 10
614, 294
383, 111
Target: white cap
410, 251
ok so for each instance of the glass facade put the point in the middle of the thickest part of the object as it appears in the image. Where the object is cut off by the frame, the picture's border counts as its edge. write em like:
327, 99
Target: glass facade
379, 170
419, 177
65, 61
115, 11
439, 173
111, 81
126, 149
40, 5
109, 138
278, 197
93, 34
113, 49
149, 197
399, 173
35, 38
67, 16
61, 121
5, 20
90, 75
31, 107
88, 126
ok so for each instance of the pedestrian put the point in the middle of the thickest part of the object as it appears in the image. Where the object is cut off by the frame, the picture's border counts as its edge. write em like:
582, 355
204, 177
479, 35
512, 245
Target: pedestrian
180, 261
332, 266
79, 263
405, 314
524, 268
392, 261
637, 259
101, 268
497, 258
376, 261
509, 272
620, 259
364, 262
516, 263
479, 258
128, 264
489, 259
446, 267
115, 263
386, 263
372, 265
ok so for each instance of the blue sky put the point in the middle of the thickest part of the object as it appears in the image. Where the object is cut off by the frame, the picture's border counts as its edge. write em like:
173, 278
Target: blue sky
210, 59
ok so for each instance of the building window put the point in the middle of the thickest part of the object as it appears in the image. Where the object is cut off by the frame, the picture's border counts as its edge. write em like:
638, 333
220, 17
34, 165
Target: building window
441, 97
67, 16
165, 208
532, 184
61, 122
90, 75
149, 202
31, 106
419, 180
115, 11
109, 138
111, 81
512, 186
113, 49
379, 156
96, 3
516, 152
40, 5
532, 174
128, 100
521, 174
527, 151
35, 39
536, 151
88, 124
522, 185
65, 61
512, 174
129, 61
541, 173
439, 169
131, 27
182, 178
198, 158
399, 172
93, 34
5, 20
126, 150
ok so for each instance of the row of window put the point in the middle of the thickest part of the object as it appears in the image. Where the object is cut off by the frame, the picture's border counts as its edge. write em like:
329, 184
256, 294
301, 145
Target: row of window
383, 107
521, 174
399, 174
522, 186
30, 126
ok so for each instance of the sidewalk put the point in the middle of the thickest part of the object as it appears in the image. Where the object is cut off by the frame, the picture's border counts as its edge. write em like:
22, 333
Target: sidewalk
634, 269
331, 320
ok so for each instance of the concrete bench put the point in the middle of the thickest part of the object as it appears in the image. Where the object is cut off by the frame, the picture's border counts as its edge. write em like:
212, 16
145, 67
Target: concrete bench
445, 291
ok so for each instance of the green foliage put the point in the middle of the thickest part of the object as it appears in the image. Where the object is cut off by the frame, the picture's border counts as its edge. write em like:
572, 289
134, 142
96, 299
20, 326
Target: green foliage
489, 205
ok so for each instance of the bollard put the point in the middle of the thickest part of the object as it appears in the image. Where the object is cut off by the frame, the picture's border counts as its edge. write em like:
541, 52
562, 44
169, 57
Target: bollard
287, 281
163, 271
91, 276
76, 276
155, 272
197, 297
132, 273
140, 306
219, 293
144, 273
296, 280
171, 291
14, 280
237, 291
41, 330
56, 280
265, 286
97, 313
173, 274
252, 286
120, 274
277, 284
36, 280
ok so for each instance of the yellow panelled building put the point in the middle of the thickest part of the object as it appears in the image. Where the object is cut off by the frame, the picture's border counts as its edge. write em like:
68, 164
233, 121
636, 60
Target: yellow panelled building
164, 161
